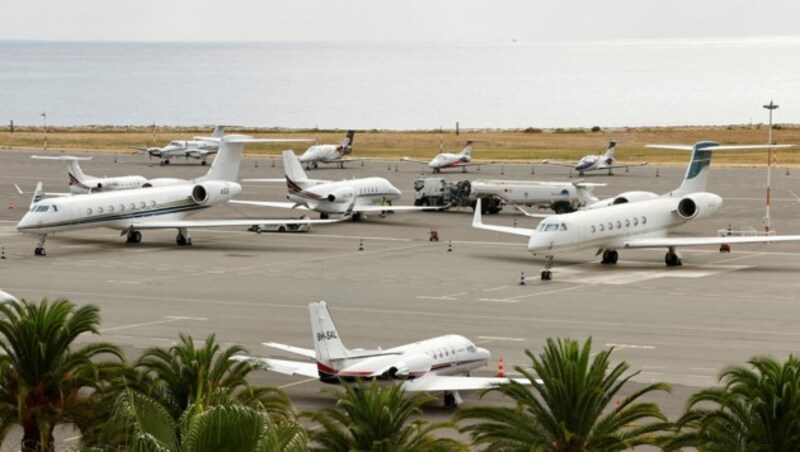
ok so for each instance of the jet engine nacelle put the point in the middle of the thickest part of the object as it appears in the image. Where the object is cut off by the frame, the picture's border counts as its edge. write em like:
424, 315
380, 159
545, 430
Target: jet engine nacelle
163, 182
214, 192
412, 366
698, 205
628, 196
341, 195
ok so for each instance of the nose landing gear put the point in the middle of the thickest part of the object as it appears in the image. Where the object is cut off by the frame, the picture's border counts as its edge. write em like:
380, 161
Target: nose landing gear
547, 273
39, 250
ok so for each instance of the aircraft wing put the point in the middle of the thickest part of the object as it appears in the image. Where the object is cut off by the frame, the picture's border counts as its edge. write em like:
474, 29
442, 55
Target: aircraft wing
52, 194
223, 223
433, 382
307, 352
477, 223
379, 208
700, 241
409, 159
265, 180
557, 163
282, 366
279, 204
630, 165
532, 215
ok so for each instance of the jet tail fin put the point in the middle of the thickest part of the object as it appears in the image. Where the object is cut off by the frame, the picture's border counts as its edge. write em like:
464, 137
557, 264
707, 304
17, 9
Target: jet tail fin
219, 132
38, 194
327, 342
467, 151
295, 175
348, 140
612, 147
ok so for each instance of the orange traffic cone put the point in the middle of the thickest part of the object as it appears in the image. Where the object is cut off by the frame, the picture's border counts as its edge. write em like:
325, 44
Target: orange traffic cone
500, 371
10, 205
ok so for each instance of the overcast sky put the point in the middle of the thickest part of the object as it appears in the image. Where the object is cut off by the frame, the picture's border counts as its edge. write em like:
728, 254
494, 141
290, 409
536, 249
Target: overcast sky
489, 21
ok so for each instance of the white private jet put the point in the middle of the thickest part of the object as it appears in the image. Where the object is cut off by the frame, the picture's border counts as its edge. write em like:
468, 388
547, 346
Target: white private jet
199, 148
80, 183
329, 153
449, 160
596, 162
635, 219
430, 365
132, 211
350, 197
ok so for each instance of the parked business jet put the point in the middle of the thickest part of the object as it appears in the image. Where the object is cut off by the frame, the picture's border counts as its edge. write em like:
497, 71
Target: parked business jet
449, 160
199, 148
132, 211
80, 183
636, 219
329, 153
429, 365
349, 197
596, 162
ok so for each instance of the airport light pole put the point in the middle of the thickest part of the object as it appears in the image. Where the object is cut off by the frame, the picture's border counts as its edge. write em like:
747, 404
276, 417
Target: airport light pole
771, 106
44, 115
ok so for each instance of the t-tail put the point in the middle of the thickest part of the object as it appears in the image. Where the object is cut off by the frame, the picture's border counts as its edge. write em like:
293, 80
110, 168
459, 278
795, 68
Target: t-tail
225, 166
328, 344
219, 132
348, 140
467, 151
77, 178
38, 195
609, 155
296, 178
696, 178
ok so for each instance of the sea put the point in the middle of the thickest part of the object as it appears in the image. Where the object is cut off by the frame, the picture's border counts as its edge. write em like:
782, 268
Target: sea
649, 82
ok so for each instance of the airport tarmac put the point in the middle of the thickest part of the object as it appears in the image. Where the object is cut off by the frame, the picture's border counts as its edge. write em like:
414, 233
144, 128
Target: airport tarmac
678, 325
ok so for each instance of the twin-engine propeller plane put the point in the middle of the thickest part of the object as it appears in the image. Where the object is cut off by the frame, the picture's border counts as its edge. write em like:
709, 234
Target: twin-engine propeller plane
329, 153
449, 160
199, 148
636, 219
352, 198
430, 365
596, 162
132, 211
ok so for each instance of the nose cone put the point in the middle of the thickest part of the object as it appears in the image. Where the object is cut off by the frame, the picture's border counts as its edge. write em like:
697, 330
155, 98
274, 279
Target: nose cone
539, 242
25, 223
433, 164
483, 354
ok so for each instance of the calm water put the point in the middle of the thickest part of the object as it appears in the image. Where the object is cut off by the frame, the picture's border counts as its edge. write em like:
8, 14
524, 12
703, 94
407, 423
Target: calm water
401, 86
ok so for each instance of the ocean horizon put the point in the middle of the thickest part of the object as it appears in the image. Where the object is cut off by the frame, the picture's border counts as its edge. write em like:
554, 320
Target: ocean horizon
421, 86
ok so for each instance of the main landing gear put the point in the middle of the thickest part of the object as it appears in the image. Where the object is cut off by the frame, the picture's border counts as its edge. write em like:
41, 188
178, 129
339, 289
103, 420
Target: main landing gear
183, 239
134, 237
610, 257
164, 162
39, 250
672, 258
452, 399
547, 273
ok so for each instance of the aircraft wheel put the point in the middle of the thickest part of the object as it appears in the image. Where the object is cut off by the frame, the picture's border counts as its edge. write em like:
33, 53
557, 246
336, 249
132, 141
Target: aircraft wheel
281, 229
161, 163
39, 252
324, 216
449, 400
547, 275
672, 260
613, 256
180, 240
203, 163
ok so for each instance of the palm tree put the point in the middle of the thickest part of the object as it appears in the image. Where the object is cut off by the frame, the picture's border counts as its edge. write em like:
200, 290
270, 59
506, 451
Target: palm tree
184, 375
570, 406
229, 426
44, 380
755, 409
374, 418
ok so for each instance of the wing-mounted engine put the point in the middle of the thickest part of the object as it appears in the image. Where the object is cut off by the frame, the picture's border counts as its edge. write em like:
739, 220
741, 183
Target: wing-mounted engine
342, 195
197, 153
214, 192
163, 182
698, 205
411, 367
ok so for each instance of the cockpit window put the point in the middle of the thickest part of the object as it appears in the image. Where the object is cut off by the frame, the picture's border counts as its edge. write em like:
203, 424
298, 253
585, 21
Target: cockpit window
471, 348
551, 227
42, 208
563, 227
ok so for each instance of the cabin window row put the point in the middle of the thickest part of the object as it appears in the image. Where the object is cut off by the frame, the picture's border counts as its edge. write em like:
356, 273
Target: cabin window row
619, 224
121, 208
365, 190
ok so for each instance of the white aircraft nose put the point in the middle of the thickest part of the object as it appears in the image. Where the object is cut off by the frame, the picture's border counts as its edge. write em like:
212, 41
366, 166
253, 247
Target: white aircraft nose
25, 223
540, 242
483, 354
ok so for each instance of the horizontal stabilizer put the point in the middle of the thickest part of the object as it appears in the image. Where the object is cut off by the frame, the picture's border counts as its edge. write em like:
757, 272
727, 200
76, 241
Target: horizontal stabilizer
278, 204
281, 366
433, 383
532, 215
307, 352
748, 147
477, 223
59, 157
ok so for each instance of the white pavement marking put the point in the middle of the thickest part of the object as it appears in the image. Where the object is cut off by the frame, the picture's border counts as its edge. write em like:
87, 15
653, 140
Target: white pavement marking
589, 274
442, 297
632, 346
494, 288
166, 319
296, 383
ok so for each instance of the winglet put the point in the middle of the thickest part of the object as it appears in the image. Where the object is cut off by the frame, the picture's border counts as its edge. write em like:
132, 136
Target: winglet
477, 220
